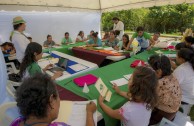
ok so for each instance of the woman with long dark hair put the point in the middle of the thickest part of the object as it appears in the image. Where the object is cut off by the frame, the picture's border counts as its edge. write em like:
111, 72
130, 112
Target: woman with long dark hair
123, 44
185, 73
29, 65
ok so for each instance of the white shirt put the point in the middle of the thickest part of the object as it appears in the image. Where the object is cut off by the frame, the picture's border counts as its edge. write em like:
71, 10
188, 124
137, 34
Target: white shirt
20, 43
185, 75
80, 38
119, 26
135, 114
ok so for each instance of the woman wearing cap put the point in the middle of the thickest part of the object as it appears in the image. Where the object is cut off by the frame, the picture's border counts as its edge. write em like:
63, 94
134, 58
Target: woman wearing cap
19, 40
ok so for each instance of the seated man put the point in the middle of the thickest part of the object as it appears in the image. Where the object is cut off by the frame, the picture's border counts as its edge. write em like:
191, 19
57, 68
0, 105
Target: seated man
156, 37
144, 39
66, 39
49, 42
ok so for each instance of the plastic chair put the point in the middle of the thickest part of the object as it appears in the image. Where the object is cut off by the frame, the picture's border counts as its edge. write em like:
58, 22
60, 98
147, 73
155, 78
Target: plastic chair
5, 119
11, 69
187, 107
166, 122
182, 120
10, 87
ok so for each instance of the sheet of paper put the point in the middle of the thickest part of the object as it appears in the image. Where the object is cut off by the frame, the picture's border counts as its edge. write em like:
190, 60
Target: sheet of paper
99, 47
64, 76
57, 47
108, 48
128, 76
170, 55
103, 90
101, 87
65, 111
108, 96
159, 52
71, 43
78, 67
78, 115
45, 54
120, 82
114, 51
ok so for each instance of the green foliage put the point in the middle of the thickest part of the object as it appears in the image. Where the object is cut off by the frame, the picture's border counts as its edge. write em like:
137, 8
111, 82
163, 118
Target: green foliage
165, 19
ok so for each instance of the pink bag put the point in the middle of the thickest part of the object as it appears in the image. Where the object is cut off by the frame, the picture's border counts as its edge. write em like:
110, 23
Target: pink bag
88, 79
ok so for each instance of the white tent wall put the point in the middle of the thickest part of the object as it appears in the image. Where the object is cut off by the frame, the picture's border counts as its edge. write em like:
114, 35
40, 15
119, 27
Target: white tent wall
40, 24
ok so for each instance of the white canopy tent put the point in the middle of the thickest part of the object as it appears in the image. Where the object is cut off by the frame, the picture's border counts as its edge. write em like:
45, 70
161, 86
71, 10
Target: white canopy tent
86, 5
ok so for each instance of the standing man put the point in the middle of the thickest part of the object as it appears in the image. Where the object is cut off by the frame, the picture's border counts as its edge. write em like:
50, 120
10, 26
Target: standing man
118, 26
144, 39
19, 40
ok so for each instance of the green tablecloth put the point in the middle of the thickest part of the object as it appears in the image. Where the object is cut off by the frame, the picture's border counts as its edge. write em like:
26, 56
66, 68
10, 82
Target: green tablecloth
65, 48
107, 74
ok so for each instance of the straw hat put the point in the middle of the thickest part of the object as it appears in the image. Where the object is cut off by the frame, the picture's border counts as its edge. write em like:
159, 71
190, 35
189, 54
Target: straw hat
18, 20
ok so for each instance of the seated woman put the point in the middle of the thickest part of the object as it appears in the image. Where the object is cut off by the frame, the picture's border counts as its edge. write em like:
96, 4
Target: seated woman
95, 41
7, 48
29, 65
80, 37
185, 73
142, 99
112, 41
122, 45
106, 36
168, 90
66, 39
49, 42
38, 102
189, 41
90, 35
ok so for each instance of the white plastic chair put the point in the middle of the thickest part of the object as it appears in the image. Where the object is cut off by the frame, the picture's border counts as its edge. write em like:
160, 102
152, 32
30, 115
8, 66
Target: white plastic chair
182, 119
187, 108
166, 122
5, 119
11, 69
179, 120
10, 87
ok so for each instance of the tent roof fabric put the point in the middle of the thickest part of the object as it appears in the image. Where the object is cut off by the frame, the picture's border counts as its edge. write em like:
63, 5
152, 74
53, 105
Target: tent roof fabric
85, 5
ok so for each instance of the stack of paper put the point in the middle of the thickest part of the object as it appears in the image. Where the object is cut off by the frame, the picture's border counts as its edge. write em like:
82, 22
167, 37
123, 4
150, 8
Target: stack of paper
120, 82
103, 90
162, 44
44, 62
78, 67
108, 48
74, 113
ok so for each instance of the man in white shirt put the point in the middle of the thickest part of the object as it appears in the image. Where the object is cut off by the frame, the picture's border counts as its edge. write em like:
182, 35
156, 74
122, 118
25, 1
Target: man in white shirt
118, 25
19, 40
